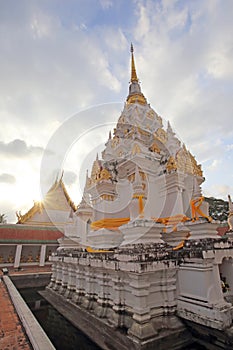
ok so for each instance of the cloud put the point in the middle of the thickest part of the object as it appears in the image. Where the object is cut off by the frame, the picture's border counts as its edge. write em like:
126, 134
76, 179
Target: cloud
106, 4
215, 164
229, 147
54, 65
7, 178
218, 191
19, 148
59, 68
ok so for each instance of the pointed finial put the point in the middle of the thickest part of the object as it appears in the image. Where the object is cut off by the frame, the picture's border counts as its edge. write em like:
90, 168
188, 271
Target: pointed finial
97, 156
131, 49
133, 69
56, 180
169, 128
110, 135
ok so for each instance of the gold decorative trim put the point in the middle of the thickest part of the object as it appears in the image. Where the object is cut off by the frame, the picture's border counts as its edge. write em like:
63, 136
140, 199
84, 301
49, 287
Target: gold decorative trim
155, 148
136, 149
171, 165
98, 173
37, 207
136, 98
161, 135
187, 163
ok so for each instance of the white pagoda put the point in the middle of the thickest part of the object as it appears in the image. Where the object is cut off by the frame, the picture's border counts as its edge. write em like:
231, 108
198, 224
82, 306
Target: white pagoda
145, 187
141, 254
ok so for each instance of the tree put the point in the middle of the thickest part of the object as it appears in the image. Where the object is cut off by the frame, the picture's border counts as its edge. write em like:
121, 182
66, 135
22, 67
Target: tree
2, 218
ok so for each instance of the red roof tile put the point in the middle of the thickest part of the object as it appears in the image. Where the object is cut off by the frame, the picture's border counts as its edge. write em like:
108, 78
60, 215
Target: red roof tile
17, 232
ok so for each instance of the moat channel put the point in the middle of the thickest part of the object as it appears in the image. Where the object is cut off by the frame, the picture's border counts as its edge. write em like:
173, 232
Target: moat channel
61, 332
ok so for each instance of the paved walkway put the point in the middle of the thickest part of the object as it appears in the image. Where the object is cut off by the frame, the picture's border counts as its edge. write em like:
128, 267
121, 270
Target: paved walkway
37, 336
12, 336
12, 333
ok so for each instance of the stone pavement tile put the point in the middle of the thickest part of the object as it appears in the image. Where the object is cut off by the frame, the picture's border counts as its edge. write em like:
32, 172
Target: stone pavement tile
12, 336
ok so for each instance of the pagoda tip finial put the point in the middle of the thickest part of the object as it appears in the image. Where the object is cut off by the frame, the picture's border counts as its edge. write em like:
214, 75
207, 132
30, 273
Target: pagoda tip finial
131, 48
134, 77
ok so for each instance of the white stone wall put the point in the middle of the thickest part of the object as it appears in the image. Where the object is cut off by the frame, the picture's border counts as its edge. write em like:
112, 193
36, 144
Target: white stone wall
200, 295
128, 294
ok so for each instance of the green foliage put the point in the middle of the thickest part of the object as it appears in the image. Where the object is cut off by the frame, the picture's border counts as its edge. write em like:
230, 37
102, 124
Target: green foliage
218, 208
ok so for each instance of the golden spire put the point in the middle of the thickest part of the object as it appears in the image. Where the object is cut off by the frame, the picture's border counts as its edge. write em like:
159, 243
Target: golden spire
135, 95
133, 69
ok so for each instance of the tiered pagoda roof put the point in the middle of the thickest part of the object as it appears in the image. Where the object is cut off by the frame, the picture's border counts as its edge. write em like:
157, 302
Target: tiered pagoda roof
56, 199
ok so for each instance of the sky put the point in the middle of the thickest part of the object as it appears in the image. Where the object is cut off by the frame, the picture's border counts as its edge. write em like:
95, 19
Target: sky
64, 77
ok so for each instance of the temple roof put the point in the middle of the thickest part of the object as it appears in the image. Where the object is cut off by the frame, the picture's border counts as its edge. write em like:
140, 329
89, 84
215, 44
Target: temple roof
56, 199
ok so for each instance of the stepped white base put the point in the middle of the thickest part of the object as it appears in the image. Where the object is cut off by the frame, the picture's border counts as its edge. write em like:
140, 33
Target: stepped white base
175, 237
141, 231
201, 229
104, 238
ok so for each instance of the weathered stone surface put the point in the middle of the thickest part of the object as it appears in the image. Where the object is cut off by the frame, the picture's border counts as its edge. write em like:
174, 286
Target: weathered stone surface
140, 289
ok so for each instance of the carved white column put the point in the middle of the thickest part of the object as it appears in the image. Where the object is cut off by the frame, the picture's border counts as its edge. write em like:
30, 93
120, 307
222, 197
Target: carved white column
118, 317
103, 294
53, 276
171, 190
42, 254
71, 282
64, 281
141, 327
79, 285
18, 255
90, 288
58, 276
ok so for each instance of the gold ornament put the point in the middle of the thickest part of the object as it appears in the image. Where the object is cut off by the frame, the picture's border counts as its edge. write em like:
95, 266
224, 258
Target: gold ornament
171, 165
